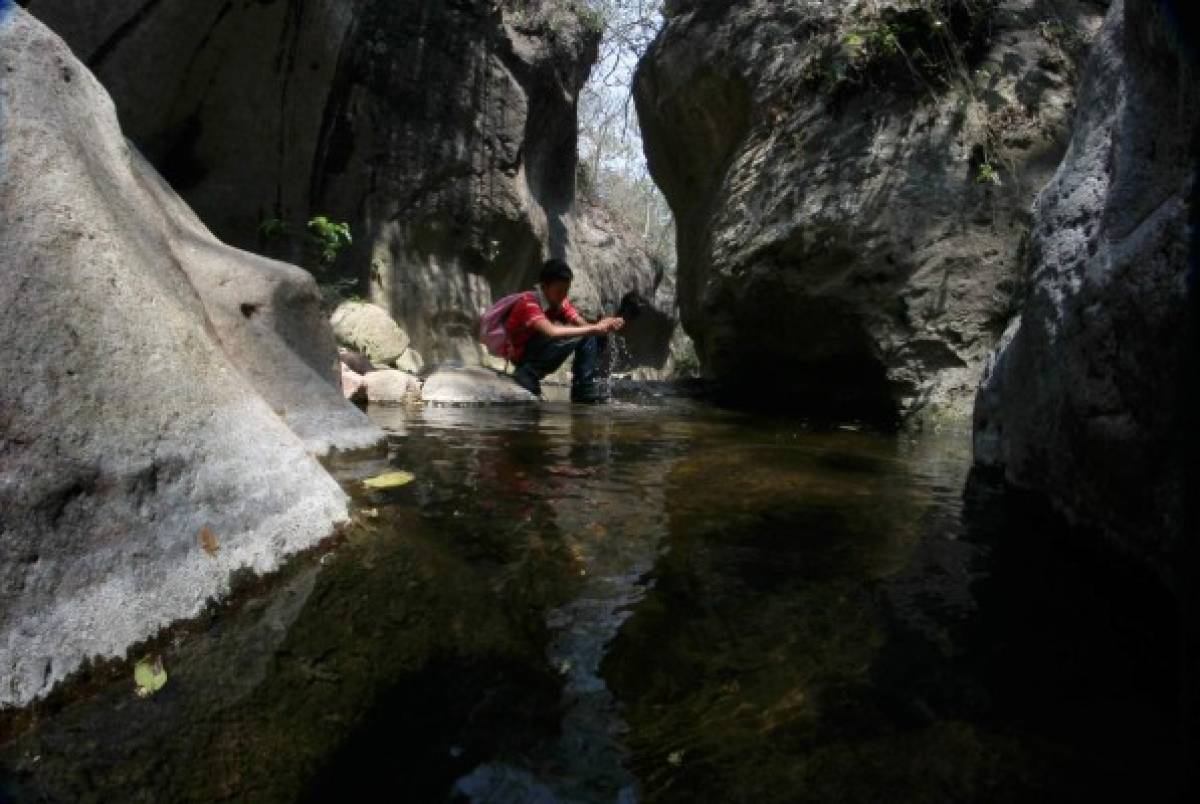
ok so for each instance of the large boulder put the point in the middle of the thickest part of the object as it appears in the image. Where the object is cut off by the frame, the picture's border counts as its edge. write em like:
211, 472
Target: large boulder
851, 183
1088, 399
154, 383
368, 329
443, 133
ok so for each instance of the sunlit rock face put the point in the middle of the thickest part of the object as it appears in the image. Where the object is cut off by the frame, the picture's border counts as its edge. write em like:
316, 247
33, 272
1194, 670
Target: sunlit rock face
156, 383
443, 132
851, 182
1088, 398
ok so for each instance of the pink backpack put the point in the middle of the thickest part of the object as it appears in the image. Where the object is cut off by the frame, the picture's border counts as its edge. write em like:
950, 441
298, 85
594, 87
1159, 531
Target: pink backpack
493, 331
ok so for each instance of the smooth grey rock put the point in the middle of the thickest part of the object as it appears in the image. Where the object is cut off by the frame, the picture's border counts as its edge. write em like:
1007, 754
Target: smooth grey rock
837, 248
392, 386
370, 330
443, 133
154, 382
1086, 400
473, 386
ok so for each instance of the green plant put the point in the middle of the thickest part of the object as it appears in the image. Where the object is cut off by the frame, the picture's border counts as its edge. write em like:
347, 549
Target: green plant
927, 47
986, 173
328, 237
883, 39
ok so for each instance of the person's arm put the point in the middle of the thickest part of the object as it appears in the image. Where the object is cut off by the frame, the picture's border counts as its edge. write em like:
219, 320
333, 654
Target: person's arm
548, 328
573, 316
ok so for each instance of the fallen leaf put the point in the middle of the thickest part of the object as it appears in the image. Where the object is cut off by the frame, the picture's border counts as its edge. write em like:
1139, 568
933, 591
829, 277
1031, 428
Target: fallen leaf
390, 480
149, 676
675, 758
208, 540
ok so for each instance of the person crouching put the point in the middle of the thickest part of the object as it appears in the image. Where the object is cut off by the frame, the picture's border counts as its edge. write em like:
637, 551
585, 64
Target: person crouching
544, 329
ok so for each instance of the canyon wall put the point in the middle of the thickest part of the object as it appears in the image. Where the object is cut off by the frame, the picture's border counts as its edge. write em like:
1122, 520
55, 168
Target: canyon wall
852, 183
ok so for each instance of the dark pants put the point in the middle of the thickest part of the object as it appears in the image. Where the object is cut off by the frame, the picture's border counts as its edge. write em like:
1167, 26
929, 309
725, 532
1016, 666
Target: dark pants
589, 369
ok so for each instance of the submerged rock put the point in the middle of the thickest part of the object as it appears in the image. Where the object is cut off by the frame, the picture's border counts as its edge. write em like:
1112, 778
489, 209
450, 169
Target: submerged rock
851, 183
1087, 399
157, 385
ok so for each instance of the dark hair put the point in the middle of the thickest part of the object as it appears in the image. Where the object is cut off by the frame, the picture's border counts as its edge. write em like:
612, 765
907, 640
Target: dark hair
555, 270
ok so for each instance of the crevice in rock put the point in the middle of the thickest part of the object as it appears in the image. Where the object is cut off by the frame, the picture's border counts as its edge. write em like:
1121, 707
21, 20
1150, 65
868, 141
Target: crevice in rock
121, 33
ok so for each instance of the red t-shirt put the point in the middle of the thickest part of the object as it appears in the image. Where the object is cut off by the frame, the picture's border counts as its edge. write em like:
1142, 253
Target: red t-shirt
524, 312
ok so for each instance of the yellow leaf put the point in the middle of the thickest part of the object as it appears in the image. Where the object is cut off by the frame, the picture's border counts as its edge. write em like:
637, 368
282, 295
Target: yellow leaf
149, 676
389, 480
208, 540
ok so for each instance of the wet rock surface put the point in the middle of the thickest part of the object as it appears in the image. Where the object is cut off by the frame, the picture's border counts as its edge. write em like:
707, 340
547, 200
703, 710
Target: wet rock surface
851, 182
369, 330
157, 383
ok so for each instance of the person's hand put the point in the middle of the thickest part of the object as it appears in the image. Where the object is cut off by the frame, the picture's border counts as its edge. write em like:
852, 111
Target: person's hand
607, 325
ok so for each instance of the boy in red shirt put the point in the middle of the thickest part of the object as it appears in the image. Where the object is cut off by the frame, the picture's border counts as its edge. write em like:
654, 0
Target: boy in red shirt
544, 329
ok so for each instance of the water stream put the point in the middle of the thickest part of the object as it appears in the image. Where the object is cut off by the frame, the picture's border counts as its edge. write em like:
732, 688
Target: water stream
656, 601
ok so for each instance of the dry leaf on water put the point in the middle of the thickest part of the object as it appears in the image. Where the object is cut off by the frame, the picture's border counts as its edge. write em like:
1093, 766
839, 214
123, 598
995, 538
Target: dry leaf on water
208, 540
149, 676
389, 480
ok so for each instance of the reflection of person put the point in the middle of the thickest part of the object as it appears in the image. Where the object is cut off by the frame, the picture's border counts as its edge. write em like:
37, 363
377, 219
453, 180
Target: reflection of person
544, 328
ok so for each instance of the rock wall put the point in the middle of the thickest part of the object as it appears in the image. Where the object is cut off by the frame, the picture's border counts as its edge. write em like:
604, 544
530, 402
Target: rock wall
1092, 397
153, 383
851, 183
443, 132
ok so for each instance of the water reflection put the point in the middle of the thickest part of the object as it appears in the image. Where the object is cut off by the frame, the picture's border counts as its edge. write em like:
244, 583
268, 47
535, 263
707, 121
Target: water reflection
646, 602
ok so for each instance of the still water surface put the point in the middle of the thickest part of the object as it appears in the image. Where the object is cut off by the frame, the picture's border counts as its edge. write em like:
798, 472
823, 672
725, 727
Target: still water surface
648, 602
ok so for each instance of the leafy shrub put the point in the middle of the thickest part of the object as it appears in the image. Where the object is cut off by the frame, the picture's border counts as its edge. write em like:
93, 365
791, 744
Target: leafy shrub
318, 250
930, 47
328, 237
986, 173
